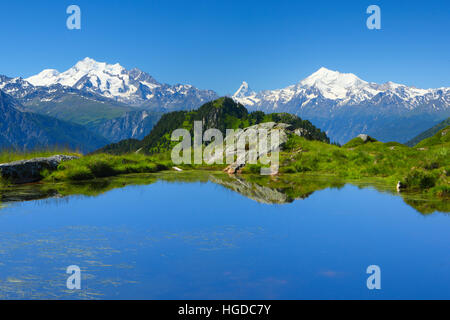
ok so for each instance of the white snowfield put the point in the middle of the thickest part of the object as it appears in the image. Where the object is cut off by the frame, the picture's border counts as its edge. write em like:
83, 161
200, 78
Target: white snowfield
342, 88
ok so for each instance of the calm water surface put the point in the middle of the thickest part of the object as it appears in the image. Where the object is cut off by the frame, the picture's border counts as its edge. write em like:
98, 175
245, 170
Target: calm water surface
203, 241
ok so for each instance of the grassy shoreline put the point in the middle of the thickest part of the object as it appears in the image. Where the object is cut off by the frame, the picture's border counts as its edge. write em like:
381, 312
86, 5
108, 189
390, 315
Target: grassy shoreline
104, 165
424, 168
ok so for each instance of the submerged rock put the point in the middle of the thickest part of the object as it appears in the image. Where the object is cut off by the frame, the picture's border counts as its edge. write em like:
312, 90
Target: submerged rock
26, 171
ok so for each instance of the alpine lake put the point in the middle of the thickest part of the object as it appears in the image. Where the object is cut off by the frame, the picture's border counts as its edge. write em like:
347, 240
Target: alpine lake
207, 235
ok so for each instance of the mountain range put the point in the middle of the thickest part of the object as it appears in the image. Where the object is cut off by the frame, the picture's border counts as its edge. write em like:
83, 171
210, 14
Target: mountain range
108, 100
132, 87
116, 104
344, 105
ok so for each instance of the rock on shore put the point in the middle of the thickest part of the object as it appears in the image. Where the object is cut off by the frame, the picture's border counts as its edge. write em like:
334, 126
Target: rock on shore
26, 171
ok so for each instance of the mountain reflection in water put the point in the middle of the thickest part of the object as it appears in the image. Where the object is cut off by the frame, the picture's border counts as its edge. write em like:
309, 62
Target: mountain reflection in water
264, 189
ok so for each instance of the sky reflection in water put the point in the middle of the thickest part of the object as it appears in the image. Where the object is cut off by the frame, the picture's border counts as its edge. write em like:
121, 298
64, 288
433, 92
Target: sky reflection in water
202, 241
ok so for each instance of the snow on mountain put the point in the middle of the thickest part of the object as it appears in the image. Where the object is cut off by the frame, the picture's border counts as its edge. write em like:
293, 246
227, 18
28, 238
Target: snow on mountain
115, 82
344, 105
44, 78
341, 104
111, 81
245, 94
243, 90
338, 89
335, 85
16, 87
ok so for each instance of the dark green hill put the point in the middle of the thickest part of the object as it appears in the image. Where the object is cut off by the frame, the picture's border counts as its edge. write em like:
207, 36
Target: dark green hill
428, 133
222, 114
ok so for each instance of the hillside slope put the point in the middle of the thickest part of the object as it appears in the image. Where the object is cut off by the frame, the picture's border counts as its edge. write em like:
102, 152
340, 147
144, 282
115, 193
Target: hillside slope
131, 125
442, 137
26, 131
222, 114
428, 133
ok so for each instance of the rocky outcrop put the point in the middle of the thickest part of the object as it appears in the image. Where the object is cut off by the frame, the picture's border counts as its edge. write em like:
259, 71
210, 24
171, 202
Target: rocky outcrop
243, 156
363, 137
26, 171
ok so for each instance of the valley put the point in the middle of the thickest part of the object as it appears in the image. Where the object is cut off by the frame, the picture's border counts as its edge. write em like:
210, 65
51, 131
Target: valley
119, 104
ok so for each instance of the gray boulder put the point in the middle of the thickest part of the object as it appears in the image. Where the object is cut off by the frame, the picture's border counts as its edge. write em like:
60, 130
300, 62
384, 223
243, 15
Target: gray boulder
26, 171
243, 156
363, 137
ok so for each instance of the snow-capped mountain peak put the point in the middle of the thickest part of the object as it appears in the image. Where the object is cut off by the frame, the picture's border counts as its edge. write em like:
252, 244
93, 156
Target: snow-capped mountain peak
244, 90
86, 67
115, 82
245, 95
90, 66
332, 78
333, 84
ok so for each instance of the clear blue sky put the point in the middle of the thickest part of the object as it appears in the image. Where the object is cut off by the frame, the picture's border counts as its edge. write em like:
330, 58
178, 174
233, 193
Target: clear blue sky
217, 44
